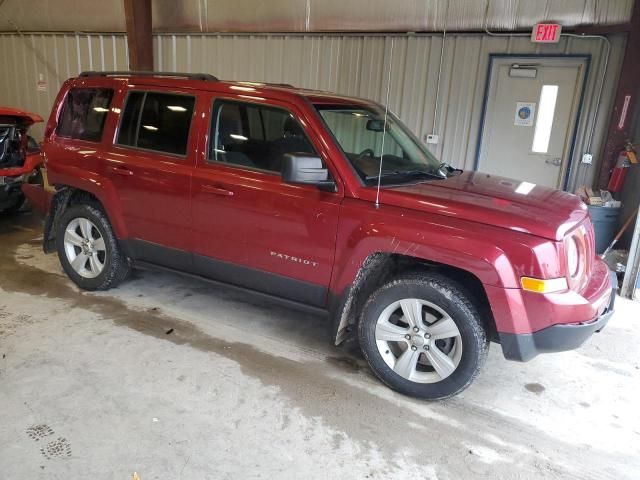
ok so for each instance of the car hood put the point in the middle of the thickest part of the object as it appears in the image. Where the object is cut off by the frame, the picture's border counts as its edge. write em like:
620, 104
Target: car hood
494, 200
17, 116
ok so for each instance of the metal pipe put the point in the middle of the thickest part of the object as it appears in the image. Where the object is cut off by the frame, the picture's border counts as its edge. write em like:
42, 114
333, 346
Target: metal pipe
444, 35
633, 264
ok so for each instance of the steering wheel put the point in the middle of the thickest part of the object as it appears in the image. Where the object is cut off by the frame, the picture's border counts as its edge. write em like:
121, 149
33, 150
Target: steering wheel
367, 151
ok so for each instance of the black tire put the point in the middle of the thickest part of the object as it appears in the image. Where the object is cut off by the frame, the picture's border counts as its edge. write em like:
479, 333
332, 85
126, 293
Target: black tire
15, 205
116, 265
452, 299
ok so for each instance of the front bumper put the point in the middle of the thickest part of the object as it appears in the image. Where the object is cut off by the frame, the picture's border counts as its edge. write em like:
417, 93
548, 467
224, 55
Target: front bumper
556, 338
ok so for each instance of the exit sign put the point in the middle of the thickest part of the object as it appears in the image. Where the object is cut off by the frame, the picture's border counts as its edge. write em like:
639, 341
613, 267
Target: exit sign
546, 33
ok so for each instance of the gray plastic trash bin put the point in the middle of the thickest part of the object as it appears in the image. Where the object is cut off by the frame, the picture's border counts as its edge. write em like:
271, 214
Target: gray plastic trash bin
605, 225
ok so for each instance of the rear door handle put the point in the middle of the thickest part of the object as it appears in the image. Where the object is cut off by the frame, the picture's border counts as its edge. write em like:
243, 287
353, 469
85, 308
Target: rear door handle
121, 171
554, 161
217, 190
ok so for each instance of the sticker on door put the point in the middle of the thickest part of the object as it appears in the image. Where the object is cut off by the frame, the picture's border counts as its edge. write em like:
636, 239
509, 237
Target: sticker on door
525, 111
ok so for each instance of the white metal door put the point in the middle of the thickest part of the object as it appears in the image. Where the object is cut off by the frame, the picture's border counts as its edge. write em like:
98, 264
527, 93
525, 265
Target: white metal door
530, 117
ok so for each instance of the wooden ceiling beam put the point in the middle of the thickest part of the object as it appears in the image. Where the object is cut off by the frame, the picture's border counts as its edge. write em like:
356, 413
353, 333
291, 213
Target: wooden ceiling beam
139, 38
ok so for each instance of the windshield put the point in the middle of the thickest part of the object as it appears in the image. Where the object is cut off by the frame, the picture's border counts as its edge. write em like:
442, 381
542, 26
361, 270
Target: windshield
359, 132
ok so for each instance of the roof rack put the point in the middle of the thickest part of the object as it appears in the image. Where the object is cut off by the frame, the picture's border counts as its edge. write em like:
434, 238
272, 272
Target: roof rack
283, 85
118, 73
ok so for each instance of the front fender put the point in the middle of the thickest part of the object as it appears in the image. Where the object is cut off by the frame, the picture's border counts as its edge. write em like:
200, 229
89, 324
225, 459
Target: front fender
495, 256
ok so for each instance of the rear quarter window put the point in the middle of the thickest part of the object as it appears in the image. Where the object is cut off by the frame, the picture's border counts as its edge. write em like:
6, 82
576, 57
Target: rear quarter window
83, 113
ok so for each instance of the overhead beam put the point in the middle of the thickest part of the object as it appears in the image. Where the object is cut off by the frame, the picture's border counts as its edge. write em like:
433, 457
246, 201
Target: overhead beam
626, 100
139, 38
606, 29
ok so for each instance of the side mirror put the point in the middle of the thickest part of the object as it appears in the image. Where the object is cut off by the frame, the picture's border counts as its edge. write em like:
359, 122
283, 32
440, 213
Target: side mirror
301, 168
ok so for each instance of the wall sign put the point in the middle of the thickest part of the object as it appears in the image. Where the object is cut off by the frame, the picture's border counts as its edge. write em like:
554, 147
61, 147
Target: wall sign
41, 84
625, 110
546, 33
525, 111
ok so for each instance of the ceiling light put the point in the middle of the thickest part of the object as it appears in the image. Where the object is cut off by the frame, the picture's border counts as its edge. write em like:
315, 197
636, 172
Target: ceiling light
150, 127
176, 108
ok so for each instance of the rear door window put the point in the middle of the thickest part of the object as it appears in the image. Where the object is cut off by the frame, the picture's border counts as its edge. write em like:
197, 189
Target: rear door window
157, 121
84, 113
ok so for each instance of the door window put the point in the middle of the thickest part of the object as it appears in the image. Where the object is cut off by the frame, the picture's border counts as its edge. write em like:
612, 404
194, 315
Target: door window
83, 113
157, 121
255, 136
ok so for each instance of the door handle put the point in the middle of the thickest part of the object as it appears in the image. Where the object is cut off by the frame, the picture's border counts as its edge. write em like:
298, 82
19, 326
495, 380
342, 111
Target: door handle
554, 161
121, 171
217, 190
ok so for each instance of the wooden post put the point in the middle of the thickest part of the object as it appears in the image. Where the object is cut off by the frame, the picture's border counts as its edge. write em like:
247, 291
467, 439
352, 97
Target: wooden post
139, 39
626, 100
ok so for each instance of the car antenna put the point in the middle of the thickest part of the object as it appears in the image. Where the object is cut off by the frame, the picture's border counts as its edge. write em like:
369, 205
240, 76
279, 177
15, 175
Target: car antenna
384, 126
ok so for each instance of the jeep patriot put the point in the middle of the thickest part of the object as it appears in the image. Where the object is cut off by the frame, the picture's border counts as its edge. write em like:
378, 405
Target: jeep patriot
321, 202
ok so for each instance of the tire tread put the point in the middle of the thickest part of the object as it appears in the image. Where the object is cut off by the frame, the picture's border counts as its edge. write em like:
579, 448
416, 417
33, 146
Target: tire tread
116, 270
455, 293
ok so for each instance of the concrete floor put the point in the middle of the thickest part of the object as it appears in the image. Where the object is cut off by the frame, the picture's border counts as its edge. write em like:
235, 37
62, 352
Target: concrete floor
95, 386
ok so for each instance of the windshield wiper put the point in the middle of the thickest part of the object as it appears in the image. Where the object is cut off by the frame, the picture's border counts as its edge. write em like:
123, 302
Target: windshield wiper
447, 169
408, 173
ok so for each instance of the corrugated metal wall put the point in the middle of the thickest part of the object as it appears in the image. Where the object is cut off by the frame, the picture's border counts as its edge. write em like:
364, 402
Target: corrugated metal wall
212, 16
347, 64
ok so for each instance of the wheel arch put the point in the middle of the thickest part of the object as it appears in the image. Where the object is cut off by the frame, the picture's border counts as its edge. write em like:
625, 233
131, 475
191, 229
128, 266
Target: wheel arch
67, 195
380, 267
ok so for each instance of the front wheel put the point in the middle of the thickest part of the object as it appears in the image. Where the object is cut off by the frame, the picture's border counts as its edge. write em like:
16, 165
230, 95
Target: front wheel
422, 336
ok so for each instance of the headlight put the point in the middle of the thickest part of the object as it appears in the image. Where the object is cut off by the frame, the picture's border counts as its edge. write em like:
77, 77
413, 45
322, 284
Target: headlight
573, 260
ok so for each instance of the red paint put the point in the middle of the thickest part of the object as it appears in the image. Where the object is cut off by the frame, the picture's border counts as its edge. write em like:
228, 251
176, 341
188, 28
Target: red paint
39, 198
474, 221
27, 118
31, 161
546, 33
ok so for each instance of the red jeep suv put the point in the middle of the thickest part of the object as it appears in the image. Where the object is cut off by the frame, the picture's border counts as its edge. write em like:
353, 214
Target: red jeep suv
323, 202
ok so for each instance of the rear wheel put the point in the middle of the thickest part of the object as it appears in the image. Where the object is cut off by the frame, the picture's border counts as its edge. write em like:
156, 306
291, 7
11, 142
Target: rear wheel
88, 249
422, 336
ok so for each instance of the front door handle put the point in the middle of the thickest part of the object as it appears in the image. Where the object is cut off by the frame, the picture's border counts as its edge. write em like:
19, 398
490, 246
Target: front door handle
554, 161
217, 190
121, 170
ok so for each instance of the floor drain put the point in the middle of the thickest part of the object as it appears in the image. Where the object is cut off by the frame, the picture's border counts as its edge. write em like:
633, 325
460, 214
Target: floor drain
59, 448
39, 431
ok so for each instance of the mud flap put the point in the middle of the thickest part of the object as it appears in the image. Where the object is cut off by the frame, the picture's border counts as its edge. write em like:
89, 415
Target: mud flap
58, 206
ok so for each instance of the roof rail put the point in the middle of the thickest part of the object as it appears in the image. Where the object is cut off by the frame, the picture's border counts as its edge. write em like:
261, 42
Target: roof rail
117, 73
282, 85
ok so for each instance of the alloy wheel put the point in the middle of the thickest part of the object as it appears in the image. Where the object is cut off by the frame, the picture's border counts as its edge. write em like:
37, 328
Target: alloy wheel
84, 247
418, 340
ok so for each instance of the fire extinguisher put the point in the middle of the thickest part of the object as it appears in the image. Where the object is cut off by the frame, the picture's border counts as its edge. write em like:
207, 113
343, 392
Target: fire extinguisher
625, 158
